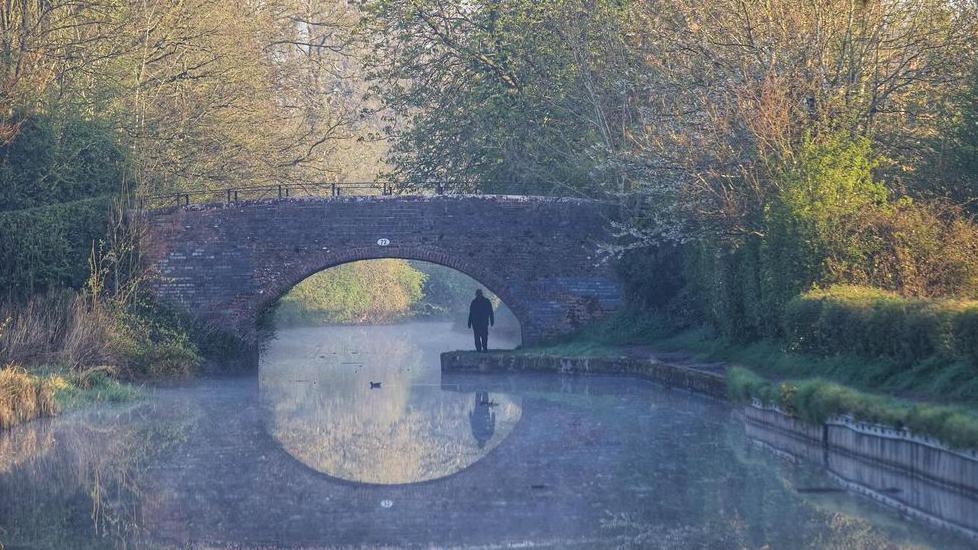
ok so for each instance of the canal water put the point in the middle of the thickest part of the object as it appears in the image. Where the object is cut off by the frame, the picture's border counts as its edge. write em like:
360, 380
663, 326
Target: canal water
350, 437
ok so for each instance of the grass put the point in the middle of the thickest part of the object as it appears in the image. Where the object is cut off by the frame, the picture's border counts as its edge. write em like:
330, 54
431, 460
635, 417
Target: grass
605, 337
934, 378
94, 386
26, 395
816, 400
934, 396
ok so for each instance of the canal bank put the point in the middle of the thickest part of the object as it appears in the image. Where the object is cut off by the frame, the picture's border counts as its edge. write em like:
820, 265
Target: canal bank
876, 455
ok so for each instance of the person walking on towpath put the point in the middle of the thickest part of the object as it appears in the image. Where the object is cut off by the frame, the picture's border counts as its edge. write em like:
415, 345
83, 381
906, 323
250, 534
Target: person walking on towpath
480, 319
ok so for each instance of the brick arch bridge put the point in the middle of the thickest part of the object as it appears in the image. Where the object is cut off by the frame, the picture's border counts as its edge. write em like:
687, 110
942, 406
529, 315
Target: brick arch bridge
226, 263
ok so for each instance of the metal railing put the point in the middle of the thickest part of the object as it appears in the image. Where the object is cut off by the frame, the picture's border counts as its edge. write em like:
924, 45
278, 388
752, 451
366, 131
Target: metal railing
261, 192
231, 195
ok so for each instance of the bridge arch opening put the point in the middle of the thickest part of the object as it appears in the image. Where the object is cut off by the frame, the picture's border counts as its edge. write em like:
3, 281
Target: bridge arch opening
387, 290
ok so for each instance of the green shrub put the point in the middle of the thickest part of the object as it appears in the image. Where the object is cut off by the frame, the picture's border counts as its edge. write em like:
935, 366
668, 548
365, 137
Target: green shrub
723, 283
743, 385
827, 221
150, 340
59, 159
875, 323
58, 175
964, 334
807, 226
357, 292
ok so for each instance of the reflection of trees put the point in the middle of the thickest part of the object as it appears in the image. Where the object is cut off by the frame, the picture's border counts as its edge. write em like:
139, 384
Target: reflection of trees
23, 444
315, 389
76, 480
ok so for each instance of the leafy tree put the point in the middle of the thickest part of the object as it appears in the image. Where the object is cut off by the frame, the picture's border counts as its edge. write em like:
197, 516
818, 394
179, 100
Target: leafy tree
357, 292
207, 73
159, 96
832, 222
511, 95
734, 87
965, 148
49, 51
810, 222
53, 161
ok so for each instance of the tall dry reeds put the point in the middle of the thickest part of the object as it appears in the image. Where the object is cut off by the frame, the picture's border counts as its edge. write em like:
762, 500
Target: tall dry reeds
34, 329
88, 340
24, 396
58, 328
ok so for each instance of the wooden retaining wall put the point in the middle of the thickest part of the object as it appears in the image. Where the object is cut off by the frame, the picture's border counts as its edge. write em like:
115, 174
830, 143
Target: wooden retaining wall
922, 457
917, 475
900, 449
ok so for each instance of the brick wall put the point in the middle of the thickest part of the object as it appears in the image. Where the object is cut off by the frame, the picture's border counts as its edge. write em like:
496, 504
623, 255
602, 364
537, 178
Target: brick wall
226, 263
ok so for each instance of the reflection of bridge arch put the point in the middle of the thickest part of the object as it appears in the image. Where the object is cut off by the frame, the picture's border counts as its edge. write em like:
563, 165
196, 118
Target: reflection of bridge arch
228, 262
318, 406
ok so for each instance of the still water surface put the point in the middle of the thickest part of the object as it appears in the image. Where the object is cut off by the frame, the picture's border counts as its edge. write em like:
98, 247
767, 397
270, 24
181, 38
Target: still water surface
307, 454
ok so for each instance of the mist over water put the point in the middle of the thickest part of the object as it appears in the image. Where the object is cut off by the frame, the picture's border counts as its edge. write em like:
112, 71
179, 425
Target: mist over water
306, 454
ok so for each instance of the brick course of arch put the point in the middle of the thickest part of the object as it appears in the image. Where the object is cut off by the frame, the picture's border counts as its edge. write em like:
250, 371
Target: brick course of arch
227, 263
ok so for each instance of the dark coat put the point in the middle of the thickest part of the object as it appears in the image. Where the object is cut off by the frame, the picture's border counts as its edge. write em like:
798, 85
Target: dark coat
480, 313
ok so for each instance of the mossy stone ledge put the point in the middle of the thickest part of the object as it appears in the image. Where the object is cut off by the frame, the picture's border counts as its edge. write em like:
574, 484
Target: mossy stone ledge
667, 374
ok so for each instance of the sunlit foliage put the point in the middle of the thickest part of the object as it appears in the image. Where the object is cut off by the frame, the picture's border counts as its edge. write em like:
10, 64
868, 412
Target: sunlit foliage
519, 96
357, 292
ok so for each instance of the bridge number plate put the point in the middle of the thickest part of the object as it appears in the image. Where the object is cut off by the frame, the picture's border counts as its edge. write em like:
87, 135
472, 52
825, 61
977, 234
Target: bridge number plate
383, 242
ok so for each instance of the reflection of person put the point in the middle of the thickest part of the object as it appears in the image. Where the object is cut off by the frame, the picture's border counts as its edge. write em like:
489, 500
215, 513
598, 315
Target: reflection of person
480, 318
482, 419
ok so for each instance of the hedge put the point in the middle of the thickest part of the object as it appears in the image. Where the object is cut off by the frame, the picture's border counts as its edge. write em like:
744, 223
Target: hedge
56, 159
872, 323
49, 246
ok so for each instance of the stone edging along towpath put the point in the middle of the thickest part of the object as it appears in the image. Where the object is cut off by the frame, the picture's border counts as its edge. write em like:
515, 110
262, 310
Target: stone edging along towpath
666, 373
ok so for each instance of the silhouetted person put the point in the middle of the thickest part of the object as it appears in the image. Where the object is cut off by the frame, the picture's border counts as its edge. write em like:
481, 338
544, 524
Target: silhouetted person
482, 419
480, 319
